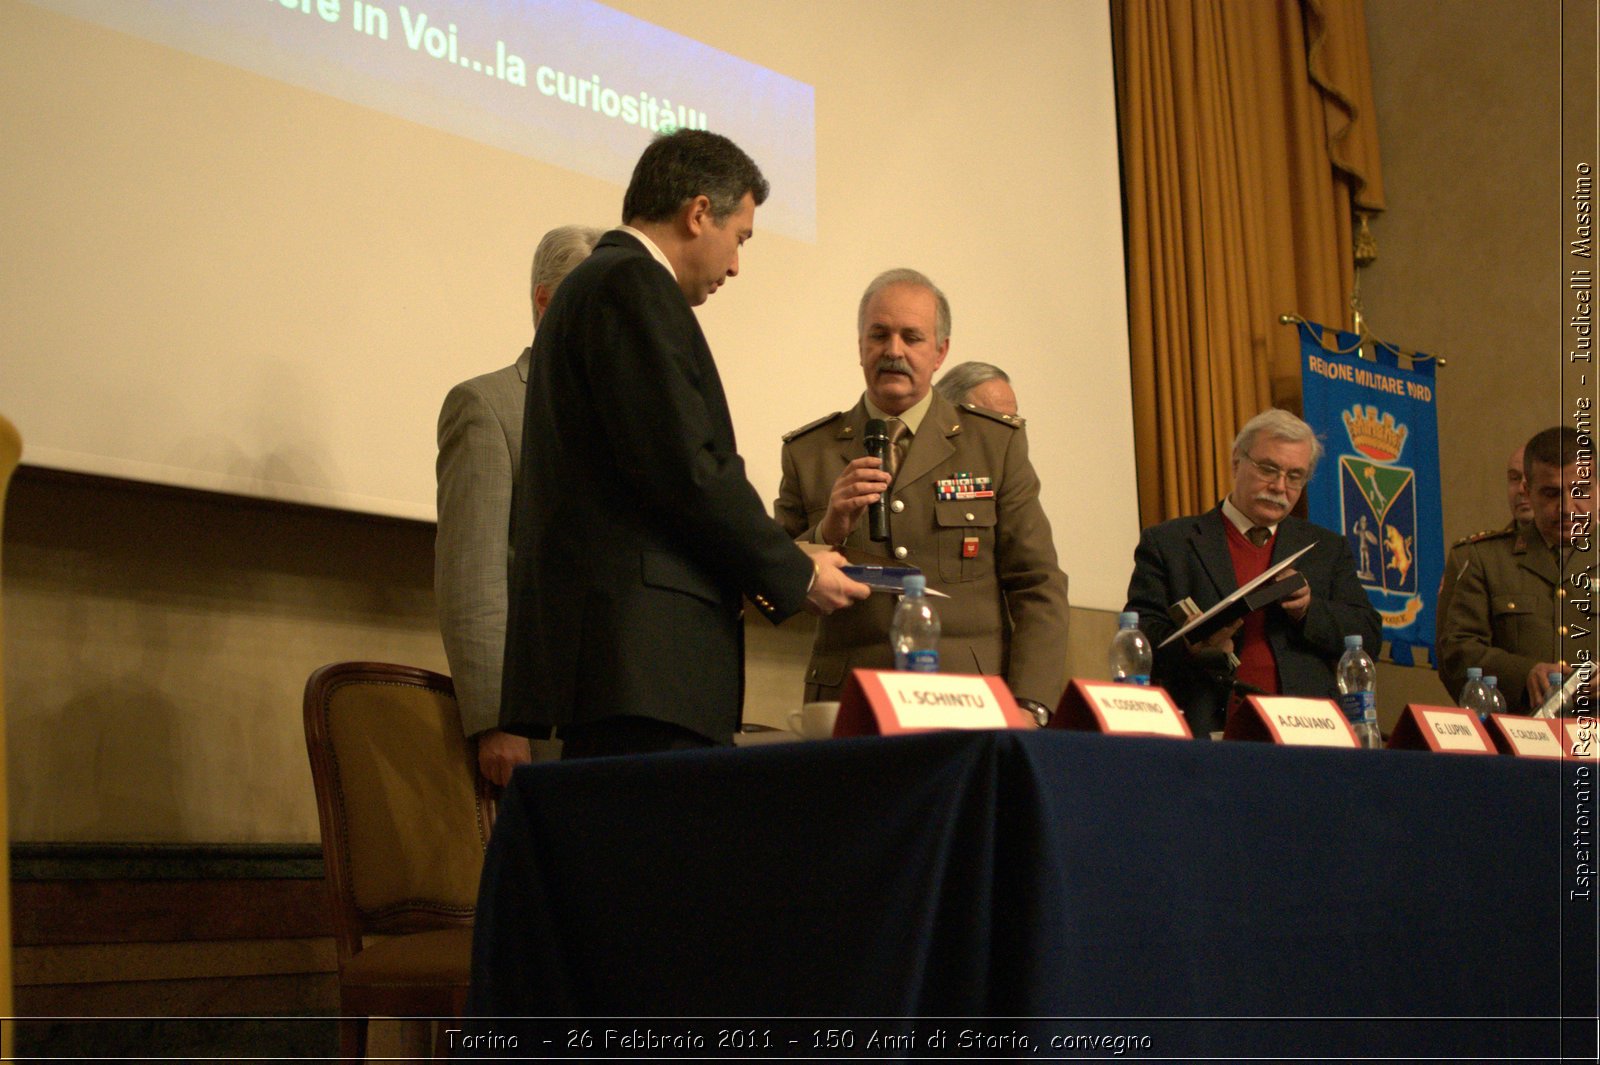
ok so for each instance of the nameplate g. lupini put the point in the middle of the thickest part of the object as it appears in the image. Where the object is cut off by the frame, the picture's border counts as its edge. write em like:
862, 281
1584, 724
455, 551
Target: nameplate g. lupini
1452, 730
1445, 729
883, 702
1296, 722
1526, 737
1120, 709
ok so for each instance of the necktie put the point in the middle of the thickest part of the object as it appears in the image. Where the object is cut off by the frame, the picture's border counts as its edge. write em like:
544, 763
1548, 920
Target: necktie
1259, 535
897, 446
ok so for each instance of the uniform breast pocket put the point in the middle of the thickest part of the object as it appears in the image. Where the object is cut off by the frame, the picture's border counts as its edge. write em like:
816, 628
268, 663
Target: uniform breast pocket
966, 538
1509, 616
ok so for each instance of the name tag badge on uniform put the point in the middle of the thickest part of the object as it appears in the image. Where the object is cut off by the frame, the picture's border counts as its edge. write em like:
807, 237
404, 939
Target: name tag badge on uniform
965, 486
969, 547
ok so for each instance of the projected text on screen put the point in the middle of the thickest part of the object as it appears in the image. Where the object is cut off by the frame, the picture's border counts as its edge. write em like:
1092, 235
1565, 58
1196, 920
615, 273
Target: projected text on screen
569, 82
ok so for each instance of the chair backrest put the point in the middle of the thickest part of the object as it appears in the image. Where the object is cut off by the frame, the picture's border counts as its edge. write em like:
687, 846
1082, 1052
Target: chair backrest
10, 454
405, 814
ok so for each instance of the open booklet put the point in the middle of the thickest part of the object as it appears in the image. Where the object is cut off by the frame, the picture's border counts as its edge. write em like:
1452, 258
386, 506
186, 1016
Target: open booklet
1252, 596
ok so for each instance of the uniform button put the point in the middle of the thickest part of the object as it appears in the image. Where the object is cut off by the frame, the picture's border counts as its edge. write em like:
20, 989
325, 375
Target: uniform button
898, 505
971, 516
901, 552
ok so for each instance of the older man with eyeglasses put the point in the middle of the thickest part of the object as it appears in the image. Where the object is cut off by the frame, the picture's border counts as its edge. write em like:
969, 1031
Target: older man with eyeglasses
1288, 648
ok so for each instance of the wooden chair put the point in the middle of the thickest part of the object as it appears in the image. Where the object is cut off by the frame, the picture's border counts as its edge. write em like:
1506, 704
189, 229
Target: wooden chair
405, 818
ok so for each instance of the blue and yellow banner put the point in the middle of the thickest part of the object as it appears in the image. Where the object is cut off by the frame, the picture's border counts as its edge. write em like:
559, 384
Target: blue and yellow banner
1378, 482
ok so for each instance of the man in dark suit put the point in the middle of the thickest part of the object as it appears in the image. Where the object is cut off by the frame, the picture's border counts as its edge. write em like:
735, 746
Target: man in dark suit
1289, 648
635, 531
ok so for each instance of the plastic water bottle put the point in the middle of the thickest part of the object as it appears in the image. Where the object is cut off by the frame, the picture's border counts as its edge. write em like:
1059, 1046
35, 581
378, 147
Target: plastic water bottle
1499, 697
1555, 704
914, 633
1130, 657
1358, 692
1475, 694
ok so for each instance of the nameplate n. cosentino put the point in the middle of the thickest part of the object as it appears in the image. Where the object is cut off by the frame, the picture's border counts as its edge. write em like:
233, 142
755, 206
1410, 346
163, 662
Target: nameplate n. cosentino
1119, 709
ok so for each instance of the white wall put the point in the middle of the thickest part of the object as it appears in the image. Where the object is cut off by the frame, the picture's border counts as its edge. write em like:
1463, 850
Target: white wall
223, 281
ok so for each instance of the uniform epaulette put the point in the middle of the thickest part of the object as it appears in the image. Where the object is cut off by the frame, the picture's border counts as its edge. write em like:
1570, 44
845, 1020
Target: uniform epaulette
808, 426
1479, 537
1016, 421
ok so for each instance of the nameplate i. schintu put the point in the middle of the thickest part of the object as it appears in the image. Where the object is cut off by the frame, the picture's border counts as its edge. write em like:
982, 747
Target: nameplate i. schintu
886, 702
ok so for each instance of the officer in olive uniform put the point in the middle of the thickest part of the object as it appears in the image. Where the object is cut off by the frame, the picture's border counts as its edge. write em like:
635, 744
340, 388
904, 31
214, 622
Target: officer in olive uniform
1455, 560
1499, 597
1521, 511
963, 507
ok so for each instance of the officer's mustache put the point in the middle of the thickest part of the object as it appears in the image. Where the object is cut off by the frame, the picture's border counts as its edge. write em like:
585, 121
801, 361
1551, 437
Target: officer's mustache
893, 364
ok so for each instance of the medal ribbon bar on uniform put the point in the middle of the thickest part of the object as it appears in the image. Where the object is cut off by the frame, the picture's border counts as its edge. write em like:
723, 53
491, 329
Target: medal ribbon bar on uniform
965, 486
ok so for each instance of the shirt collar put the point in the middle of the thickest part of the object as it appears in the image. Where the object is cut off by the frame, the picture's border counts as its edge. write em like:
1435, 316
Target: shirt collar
912, 418
650, 246
1240, 522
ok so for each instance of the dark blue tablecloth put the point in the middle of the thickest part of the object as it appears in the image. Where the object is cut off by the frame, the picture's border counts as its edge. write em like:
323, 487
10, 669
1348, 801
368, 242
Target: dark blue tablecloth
1237, 897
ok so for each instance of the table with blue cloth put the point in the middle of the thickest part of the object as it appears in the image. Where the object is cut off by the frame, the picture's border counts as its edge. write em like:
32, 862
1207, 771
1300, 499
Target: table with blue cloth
1226, 898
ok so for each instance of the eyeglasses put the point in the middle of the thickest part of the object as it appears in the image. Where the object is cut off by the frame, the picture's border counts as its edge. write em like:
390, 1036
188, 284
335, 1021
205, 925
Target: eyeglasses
1271, 471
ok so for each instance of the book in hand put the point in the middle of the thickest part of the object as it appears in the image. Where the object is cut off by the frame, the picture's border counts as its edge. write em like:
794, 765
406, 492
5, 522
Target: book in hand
891, 579
1271, 587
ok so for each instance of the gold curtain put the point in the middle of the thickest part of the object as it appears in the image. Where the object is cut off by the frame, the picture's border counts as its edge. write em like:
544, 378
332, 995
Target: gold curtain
1248, 141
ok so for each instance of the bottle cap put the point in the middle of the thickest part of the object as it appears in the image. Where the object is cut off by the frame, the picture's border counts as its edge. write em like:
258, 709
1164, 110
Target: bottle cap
1351, 641
915, 584
1474, 673
1128, 619
1491, 681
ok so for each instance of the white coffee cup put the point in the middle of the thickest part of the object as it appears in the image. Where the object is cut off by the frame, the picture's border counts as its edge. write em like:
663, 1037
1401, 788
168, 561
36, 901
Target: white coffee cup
814, 721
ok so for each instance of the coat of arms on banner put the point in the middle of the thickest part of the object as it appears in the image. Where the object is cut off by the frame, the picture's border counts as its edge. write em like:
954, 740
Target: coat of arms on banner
1378, 502
1379, 417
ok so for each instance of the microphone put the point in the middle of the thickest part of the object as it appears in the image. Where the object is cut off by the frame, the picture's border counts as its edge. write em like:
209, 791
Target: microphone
875, 438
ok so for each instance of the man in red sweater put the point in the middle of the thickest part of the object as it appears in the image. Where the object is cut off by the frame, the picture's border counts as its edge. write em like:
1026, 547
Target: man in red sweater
1289, 648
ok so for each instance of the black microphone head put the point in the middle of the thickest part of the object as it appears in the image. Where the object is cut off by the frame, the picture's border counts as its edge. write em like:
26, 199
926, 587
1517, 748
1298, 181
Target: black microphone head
875, 436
